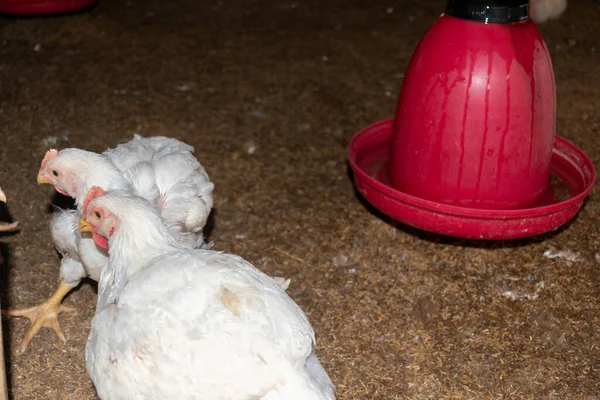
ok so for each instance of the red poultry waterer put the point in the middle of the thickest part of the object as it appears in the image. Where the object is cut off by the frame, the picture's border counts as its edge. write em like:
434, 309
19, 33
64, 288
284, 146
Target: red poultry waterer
43, 7
471, 150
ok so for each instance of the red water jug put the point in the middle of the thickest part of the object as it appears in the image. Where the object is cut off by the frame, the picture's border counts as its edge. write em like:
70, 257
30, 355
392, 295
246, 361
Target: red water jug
475, 120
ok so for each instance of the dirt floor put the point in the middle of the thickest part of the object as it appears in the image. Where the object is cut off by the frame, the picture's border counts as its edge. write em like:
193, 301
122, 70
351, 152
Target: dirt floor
270, 93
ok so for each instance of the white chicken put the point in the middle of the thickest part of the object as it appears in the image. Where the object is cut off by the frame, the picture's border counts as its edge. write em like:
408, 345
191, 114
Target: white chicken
543, 10
162, 170
179, 323
4, 226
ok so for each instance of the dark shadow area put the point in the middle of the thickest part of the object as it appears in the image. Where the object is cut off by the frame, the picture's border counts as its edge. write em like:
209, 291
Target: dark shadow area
4, 268
210, 225
4, 214
85, 281
61, 201
5, 260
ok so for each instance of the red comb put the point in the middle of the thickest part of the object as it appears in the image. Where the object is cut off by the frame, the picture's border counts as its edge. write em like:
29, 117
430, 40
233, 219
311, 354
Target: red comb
95, 191
50, 154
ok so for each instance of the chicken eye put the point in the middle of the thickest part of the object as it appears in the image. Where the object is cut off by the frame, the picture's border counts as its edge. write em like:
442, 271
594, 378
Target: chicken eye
98, 215
54, 172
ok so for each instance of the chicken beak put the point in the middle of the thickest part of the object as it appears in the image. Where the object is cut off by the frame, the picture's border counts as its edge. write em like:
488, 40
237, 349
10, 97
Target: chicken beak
84, 226
2, 196
42, 179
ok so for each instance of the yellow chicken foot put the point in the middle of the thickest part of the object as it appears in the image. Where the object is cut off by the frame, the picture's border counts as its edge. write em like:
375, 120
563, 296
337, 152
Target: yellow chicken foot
45, 314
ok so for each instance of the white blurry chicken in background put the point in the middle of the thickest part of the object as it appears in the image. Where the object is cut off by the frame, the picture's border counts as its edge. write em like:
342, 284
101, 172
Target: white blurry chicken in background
179, 323
543, 10
162, 170
4, 226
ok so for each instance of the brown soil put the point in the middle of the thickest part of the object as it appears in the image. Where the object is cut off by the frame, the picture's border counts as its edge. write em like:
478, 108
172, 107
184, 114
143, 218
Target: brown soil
270, 93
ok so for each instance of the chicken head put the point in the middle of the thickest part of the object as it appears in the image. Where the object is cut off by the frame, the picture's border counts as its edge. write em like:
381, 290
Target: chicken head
100, 222
56, 174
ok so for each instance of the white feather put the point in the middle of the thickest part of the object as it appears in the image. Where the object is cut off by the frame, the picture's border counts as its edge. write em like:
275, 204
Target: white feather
543, 10
162, 170
80, 256
177, 323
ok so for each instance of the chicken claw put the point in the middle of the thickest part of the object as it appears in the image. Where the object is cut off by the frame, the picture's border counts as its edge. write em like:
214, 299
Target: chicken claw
6, 227
45, 314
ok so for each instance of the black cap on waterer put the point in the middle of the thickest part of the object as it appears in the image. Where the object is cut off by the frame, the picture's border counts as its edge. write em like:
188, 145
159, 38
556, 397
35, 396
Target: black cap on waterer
490, 11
